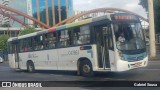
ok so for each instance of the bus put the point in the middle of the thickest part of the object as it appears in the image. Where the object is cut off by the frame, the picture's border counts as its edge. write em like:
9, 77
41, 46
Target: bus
113, 42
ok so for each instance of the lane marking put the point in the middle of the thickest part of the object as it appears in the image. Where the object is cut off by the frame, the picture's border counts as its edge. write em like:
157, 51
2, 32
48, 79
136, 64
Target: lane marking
154, 61
115, 79
150, 69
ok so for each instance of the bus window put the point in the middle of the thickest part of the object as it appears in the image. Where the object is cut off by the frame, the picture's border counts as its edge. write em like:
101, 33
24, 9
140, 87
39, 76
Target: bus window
64, 38
21, 46
84, 36
41, 43
9, 48
30, 46
46, 41
35, 43
69, 41
76, 33
52, 40
108, 33
24, 45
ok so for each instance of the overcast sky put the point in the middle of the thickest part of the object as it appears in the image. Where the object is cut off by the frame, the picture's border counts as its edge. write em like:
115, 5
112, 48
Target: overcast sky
131, 5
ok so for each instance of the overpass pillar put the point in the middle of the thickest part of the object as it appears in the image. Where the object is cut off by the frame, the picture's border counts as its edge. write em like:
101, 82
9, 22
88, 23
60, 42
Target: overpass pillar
151, 29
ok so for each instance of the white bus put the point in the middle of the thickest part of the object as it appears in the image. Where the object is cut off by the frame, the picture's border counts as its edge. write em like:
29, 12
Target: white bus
112, 42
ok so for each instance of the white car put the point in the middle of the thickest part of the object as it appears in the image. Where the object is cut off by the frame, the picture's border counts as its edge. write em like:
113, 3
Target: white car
1, 60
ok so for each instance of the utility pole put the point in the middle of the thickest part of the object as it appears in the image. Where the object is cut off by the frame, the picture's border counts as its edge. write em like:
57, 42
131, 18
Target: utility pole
151, 29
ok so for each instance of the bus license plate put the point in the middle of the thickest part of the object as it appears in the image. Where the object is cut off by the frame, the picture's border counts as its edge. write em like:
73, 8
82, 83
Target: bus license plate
137, 64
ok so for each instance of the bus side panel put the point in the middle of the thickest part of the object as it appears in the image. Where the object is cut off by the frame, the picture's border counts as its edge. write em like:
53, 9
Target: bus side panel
23, 57
52, 58
43, 60
95, 58
112, 60
68, 57
35, 57
12, 62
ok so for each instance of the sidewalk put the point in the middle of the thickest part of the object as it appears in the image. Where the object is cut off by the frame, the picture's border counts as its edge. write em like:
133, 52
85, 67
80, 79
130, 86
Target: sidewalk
157, 58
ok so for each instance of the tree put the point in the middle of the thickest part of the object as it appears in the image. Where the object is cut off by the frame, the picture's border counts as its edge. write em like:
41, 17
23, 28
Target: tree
27, 30
5, 25
144, 4
3, 42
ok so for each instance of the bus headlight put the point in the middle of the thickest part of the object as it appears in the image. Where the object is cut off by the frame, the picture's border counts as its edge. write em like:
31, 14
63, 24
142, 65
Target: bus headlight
121, 55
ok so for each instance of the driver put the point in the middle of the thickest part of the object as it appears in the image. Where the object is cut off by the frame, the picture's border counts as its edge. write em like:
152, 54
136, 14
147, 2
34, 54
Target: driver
121, 38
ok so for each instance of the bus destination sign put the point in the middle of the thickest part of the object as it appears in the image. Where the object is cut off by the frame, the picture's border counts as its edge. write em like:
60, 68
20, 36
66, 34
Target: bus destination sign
124, 17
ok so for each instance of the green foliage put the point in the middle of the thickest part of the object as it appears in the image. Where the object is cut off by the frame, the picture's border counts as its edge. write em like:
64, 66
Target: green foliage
5, 25
27, 30
3, 42
144, 4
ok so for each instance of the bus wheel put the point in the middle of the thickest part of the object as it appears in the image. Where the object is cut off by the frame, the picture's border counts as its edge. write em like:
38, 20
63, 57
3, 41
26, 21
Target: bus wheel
30, 67
86, 68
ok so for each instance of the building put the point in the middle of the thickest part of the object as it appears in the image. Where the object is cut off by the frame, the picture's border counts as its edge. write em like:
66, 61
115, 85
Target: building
20, 6
49, 12
3, 19
52, 11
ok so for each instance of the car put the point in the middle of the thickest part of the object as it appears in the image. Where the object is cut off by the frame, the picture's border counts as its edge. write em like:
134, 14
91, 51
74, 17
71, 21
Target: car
1, 60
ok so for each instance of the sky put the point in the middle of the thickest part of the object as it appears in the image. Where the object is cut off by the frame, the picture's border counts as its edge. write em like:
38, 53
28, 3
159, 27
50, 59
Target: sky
131, 5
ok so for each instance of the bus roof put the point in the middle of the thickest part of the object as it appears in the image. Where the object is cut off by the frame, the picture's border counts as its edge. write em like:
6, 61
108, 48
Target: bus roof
12, 39
61, 27
74, 24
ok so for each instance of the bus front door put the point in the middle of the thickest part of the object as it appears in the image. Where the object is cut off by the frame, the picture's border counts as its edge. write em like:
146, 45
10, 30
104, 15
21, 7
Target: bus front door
102, 41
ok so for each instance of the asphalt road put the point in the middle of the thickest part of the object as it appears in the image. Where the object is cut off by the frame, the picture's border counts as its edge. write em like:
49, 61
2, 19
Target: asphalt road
150, 73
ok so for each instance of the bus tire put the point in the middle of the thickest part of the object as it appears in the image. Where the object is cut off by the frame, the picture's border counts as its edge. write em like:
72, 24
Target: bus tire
86, 69
30, 67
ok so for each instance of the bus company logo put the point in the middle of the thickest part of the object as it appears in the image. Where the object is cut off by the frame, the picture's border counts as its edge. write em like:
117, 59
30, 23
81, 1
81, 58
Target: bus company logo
6, 84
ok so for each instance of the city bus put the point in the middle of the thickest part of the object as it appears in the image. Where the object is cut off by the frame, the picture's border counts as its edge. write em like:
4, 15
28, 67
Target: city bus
113, 42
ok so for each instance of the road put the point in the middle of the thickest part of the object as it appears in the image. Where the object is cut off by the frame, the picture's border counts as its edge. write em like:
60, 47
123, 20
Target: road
150, 73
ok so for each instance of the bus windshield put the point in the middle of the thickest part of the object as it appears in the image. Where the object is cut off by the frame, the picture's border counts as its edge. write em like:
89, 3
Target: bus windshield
129, 36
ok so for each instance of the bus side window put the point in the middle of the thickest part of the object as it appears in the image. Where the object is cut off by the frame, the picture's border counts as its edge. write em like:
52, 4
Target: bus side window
46, 41
110, 37
35, 43
40, 42
69, 41
25, 45
84, 36
64, 37
76, 33
9, 47
21, 46
50, 40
